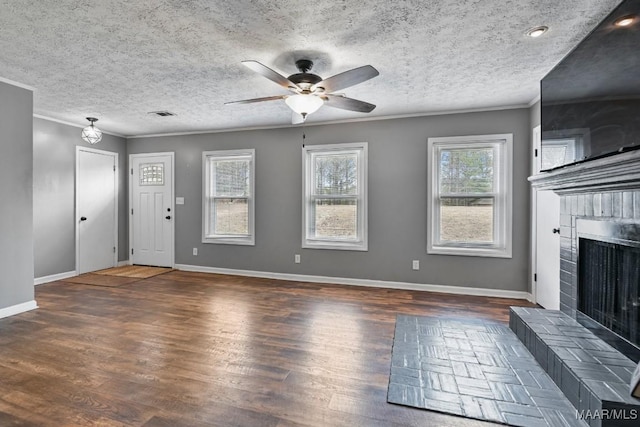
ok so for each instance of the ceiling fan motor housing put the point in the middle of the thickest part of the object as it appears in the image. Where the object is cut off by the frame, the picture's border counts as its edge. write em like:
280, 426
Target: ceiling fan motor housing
304, 65
304, 79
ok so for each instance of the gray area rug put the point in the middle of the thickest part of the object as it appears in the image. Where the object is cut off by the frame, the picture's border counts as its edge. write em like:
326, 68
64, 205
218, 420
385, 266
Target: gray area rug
475, 369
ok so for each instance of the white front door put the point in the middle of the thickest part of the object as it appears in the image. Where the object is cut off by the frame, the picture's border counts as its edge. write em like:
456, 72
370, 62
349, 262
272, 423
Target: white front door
96, 209
548, 249
152, 209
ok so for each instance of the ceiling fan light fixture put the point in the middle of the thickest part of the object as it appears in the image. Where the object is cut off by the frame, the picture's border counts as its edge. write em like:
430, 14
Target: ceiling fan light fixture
304, 104
91, 134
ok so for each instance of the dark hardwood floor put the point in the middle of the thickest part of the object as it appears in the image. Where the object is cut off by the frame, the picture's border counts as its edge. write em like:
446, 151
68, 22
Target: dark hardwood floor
195, 349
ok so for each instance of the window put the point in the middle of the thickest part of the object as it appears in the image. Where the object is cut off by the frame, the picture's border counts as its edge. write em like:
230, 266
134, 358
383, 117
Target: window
151, 174
469, 191
335, 196
563, 146
228, 204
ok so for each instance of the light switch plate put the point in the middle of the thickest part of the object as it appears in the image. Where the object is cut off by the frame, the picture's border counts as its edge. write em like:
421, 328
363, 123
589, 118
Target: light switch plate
179, 200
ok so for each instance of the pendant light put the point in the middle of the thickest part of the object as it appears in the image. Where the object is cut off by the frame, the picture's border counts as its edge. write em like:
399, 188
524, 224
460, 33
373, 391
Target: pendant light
92, 134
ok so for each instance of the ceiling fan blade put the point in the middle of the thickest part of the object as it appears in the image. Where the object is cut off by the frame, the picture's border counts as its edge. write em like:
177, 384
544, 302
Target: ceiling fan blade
274, 76
250, 101
350, 104
296, 119
348, 78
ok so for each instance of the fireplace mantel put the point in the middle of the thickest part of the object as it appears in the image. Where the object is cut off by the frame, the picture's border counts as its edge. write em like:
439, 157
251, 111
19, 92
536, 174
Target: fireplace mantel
614, 173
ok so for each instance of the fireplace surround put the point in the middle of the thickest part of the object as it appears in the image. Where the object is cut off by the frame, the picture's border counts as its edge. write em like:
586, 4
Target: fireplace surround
601, 195
599, 223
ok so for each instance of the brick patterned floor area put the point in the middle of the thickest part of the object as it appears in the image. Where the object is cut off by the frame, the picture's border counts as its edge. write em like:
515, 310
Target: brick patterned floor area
476, 369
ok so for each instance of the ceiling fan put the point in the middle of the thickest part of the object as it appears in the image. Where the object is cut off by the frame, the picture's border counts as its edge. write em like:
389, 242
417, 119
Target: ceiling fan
310, 91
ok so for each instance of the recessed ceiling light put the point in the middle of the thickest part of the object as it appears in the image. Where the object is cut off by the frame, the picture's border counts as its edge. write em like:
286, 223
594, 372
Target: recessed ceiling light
625, 21
537, 31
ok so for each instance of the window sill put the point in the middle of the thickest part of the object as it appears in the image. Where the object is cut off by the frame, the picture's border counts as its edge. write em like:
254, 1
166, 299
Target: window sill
468, 251
229, 241
335, 246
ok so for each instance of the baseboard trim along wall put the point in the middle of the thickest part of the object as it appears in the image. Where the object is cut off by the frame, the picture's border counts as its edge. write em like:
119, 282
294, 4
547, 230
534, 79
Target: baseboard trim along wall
52, 278
460, 290
123, 263
18, 308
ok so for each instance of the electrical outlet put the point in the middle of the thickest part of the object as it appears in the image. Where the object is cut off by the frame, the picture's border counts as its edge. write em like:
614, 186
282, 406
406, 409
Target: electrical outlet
195, 251
416, 264
296, 258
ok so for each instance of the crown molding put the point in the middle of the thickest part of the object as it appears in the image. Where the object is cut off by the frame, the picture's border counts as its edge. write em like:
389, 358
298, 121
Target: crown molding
333, 122
17, 84
533, 101
75, 125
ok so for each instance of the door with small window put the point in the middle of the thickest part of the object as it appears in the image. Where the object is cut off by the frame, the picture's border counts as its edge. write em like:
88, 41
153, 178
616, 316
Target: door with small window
152, 209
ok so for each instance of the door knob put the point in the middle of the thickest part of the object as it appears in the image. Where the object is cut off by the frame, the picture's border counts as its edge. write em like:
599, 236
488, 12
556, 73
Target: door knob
556, 230
168, 217
83, 218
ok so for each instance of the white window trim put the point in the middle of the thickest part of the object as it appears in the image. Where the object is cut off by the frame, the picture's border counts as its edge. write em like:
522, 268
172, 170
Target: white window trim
503, 219
227, 239
361, 244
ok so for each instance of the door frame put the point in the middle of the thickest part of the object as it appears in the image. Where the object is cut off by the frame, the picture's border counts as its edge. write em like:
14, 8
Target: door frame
171, 154
113, 154
536, 154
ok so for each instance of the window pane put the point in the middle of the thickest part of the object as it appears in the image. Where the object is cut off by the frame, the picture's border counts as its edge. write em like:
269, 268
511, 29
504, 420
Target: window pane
466, 170
151, 174
336, 174
466, 220
231, 178
336, 219
230, 216
553, 156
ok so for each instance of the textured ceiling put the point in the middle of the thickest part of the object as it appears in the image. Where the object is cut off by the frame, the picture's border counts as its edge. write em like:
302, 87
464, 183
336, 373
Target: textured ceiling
118, 60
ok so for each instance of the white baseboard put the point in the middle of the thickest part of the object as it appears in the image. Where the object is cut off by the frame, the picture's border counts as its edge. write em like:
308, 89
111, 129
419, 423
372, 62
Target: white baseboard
52, 278
18, 308
460, 290
123, 263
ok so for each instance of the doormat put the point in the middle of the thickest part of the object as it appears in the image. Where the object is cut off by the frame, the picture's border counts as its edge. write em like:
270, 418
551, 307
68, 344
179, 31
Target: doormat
101, 280
474, 369
137, 271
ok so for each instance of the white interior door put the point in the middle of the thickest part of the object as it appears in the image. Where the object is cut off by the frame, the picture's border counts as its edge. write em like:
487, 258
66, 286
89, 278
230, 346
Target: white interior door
548, 249
545, 236
152, 209
96, 210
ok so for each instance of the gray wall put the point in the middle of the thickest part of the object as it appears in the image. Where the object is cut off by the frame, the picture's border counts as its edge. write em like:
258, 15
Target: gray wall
16, 209
535, 114
397, 201
54, 162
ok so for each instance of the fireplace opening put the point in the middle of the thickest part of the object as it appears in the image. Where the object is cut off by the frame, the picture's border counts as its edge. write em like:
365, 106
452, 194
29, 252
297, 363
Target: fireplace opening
608, 299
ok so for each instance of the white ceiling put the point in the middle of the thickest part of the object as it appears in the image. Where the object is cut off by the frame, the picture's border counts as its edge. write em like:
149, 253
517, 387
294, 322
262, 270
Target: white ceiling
119, 59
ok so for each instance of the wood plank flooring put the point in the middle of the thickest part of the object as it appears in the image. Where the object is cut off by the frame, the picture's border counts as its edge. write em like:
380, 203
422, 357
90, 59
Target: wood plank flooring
195, 349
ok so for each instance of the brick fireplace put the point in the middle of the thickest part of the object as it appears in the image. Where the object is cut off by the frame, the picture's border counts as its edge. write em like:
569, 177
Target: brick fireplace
606, 190
600, 240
